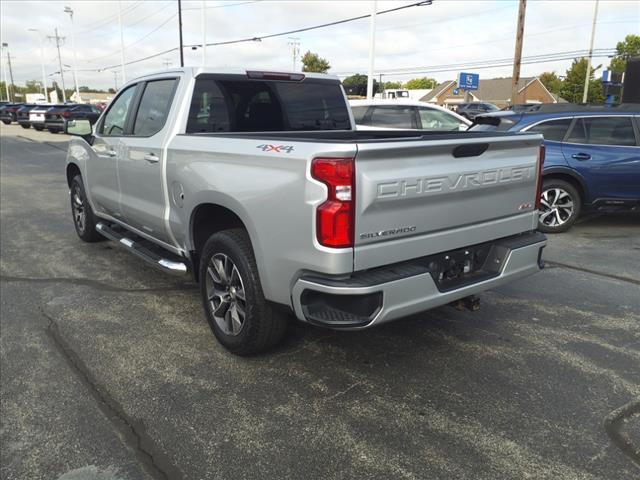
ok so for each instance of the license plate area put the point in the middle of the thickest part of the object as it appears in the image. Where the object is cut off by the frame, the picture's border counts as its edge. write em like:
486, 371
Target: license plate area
465, 266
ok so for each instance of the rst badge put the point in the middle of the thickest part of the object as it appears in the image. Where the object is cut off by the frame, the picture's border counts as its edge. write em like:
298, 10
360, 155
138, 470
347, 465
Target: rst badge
275, 148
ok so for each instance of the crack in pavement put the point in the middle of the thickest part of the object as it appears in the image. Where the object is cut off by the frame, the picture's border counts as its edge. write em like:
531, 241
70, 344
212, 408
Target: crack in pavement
87, 282
621, 278
148, 453
613, 425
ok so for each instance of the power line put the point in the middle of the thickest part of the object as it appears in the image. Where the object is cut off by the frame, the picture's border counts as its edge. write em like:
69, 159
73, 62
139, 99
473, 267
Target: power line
263, 37
92, 27
480, 65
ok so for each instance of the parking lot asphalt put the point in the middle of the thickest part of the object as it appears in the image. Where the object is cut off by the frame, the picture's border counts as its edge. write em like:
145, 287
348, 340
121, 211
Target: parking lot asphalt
109, 370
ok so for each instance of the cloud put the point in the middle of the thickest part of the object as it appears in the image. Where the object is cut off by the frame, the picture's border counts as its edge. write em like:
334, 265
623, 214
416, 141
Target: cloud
446, 32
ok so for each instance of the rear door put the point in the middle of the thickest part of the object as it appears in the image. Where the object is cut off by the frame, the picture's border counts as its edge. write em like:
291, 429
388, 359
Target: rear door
606, 152
140, 168
415, 198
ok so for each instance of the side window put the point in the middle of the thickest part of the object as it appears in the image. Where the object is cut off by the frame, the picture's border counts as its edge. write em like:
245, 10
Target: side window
433, 119
393, 117
208, 112
553, 130
116, 116
154, 107
603, 131
359, 113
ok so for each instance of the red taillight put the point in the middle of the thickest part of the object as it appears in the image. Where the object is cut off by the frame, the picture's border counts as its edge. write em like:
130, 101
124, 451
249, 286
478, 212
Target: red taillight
335, 217
66, 114
541, 154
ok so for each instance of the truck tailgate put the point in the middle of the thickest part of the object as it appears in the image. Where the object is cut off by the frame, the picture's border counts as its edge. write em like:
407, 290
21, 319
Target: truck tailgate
422, 197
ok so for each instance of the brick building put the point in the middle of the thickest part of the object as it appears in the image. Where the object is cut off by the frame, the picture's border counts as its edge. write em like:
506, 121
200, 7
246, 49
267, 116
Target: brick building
494, 90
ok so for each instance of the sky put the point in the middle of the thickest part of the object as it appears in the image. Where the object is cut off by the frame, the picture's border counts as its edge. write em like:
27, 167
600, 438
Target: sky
437, 40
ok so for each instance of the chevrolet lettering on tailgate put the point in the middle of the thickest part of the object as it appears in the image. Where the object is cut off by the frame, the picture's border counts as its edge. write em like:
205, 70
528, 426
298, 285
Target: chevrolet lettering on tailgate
465, 181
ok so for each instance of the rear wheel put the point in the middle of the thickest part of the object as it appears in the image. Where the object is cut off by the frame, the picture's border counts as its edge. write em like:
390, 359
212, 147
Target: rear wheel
560, 205
24, 125
39, 129
237, 312
83, 218
6, 122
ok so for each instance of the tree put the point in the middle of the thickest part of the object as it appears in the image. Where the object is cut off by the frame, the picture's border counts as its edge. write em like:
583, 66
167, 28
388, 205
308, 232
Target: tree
573, 85
629, 47
357, 85
551, 81
391, 85
32, 86
420, 83
312, 62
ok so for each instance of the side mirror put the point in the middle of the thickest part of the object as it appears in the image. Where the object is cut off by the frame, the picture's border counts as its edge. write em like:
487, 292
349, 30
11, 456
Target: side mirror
80, 127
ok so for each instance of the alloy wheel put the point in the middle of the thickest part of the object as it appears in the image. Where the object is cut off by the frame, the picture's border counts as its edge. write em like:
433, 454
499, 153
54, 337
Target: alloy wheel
556, 207
77, 205
226, 294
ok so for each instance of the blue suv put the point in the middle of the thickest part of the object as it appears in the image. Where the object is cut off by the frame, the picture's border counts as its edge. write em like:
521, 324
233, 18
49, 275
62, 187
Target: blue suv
592, 157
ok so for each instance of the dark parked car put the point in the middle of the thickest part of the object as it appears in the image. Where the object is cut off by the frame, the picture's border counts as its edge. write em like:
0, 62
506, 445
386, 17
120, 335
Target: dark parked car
55, 119
592, 157
8, 112
22, 114
470, 110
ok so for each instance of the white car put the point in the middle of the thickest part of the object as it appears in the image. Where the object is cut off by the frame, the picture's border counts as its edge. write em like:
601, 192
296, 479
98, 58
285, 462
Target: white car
405, 115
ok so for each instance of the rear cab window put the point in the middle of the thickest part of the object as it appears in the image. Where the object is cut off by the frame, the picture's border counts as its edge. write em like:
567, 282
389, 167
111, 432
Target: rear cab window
154, 107
234, 103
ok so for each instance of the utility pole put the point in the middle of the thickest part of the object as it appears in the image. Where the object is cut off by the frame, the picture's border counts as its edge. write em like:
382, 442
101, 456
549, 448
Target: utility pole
69, 10
124, 75
57, 39
115, 79
587, 75
4, 70
515, 77
13, 88
372, 49
204, 33
44, 75
180, 29
294, 43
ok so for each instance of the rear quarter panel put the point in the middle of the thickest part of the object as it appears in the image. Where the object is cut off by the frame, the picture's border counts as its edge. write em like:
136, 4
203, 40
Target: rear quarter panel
272, 194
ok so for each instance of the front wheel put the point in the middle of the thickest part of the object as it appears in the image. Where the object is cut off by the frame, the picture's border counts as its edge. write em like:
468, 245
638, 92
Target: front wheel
6, 122
237, 312
24, 125
83, 218
560, 205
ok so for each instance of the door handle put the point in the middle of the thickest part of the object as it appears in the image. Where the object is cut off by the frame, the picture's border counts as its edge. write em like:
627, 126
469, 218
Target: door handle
112, 153
151, 158
581, 156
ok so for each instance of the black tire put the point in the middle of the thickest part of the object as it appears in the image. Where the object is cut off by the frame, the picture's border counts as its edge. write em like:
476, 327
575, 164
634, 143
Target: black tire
84, 220
54, 131
39, 129
6, 122
555, 206
25, 126
262, 326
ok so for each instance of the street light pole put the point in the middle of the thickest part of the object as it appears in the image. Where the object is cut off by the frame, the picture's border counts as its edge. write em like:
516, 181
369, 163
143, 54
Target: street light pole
69, 10
204, 33
58, 38
180, 31
587, 75
44, 75
372, 49
124, 77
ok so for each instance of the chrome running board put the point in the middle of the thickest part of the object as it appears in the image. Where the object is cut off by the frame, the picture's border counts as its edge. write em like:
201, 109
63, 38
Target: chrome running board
137, 247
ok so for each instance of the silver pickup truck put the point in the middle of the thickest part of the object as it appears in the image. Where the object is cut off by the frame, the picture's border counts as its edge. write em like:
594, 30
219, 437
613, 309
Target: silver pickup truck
259, 185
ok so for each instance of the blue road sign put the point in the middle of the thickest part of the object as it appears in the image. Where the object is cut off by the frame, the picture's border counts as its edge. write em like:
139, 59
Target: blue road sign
456, 91
468, 81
